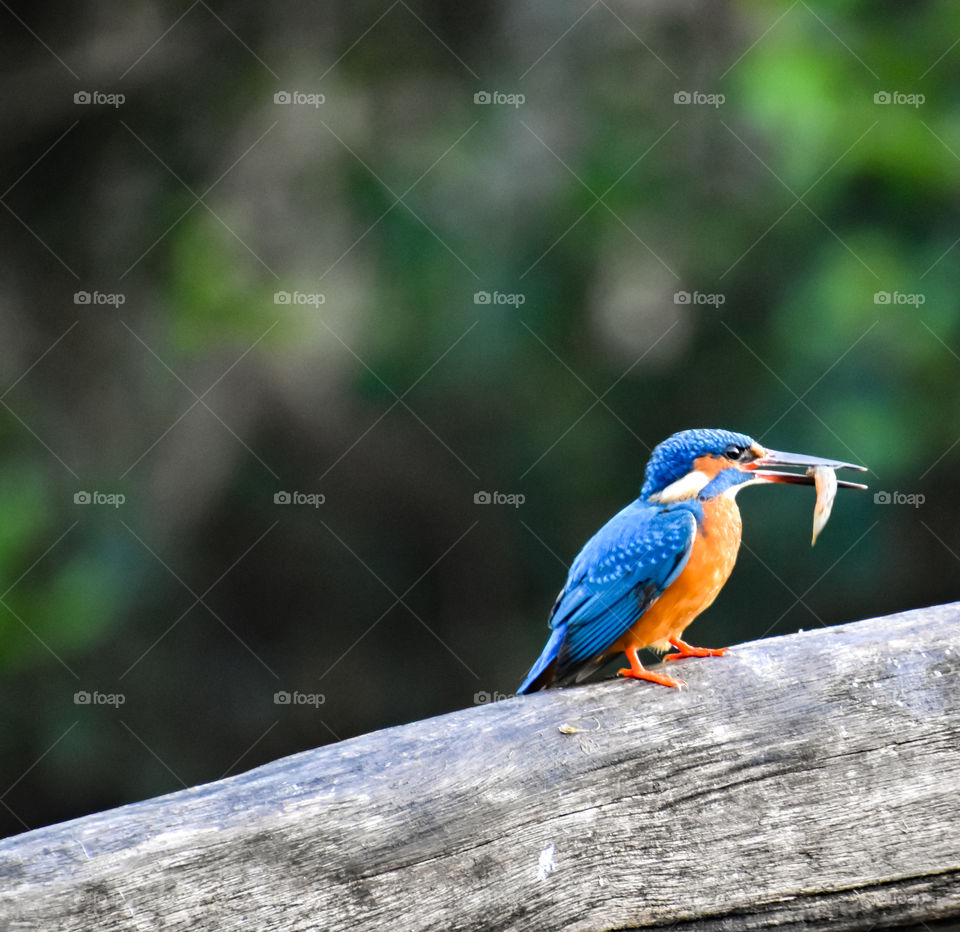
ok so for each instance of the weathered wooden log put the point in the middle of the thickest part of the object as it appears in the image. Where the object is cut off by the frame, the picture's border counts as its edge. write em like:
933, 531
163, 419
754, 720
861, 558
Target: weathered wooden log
809, 781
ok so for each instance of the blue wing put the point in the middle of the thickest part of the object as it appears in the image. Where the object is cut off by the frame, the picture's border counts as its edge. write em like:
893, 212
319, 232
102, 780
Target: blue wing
620, 572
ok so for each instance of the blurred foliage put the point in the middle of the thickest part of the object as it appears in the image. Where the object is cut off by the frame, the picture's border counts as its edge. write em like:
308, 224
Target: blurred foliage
398, 397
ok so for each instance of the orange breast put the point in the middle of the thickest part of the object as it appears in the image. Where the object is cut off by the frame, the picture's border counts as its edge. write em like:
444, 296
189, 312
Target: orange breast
711, 562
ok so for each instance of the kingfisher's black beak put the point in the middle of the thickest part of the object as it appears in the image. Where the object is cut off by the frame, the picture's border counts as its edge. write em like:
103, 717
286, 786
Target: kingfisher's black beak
776, 458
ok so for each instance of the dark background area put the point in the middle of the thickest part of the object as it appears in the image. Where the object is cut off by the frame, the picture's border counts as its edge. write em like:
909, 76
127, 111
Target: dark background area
784, 210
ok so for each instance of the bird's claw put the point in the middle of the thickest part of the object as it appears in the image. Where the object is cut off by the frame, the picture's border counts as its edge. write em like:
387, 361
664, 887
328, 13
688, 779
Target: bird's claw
661, 678
699, 652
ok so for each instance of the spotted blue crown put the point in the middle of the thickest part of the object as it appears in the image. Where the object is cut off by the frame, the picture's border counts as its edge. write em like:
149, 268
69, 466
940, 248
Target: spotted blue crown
673, 459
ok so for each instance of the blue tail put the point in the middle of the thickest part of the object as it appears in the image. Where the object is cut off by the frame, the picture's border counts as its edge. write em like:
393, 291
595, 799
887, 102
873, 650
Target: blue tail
545, 659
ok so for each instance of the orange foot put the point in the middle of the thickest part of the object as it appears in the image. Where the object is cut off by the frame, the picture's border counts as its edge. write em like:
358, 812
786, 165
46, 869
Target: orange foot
637, 671
688, 650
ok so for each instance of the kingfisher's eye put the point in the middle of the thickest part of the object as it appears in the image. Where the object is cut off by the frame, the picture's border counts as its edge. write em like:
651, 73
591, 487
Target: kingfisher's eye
733, 452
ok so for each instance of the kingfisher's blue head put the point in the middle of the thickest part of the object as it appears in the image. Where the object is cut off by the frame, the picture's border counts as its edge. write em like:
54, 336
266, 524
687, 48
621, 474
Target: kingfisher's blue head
706, 463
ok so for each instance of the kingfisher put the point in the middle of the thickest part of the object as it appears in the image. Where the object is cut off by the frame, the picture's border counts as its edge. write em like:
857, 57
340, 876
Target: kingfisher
658, 563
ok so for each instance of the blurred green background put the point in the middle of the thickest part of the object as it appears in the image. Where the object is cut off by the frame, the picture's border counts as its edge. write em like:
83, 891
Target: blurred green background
783, 207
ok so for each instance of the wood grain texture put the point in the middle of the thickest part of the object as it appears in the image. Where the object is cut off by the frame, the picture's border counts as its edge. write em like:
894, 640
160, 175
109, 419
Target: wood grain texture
805, 782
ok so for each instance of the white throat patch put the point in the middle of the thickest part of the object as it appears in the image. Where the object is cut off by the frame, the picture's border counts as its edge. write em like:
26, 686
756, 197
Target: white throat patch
689, 486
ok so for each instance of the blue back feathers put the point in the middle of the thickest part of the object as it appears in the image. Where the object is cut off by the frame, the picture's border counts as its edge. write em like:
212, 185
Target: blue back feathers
622, 569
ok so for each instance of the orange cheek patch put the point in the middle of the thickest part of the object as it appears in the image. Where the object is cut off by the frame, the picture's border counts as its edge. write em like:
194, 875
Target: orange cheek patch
711, 465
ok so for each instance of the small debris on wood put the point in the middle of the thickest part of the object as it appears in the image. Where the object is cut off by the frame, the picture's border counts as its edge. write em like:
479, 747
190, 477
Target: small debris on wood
567, 729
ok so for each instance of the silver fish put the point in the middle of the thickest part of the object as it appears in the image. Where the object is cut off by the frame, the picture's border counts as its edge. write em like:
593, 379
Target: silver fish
825, 480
